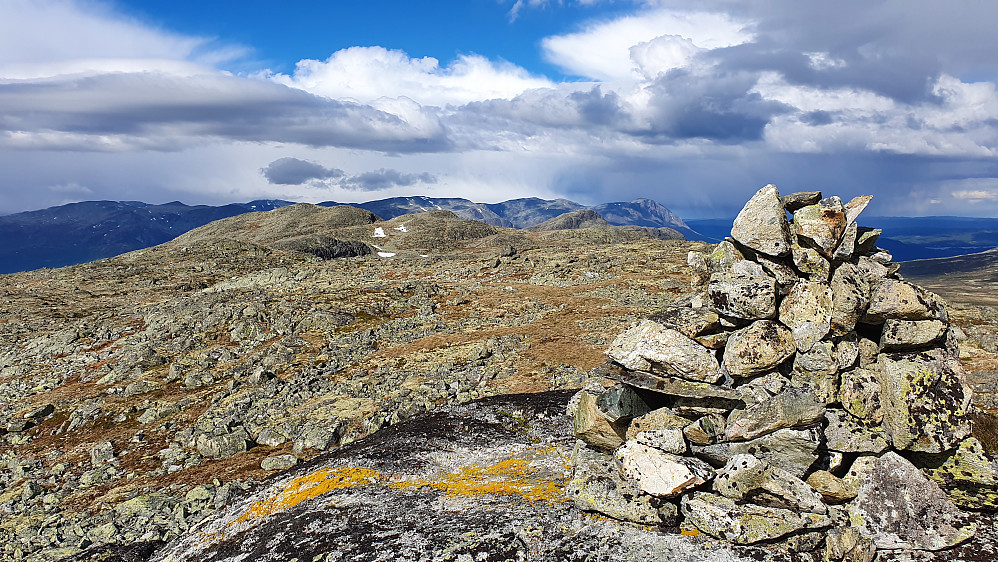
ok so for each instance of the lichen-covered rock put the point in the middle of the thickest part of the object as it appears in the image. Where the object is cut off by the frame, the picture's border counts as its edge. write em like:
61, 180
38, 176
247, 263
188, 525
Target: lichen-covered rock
745, 523
818, 370
845, 544
793, 408
850, 297
859, 393
758, 348
792, 450
278, 462
821, 226
666, 440
911, 334
810, 262
807, 311
967, 475
749, 297
620, 403
597, 485
898, 507
794, 201
650, 346
746, 478
661, 474
845, 434
832, 488
589, 425
692, 322
219, 446
847, 245
656, 420
926, 401
705, 430
891, 298
762, 223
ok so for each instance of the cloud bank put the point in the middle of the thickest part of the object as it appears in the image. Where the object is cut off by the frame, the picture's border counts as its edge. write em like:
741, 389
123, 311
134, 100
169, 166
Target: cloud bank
693, 108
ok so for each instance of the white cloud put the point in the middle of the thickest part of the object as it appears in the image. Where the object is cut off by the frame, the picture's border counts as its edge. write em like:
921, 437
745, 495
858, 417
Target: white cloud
603, 50
367, 74
976, 194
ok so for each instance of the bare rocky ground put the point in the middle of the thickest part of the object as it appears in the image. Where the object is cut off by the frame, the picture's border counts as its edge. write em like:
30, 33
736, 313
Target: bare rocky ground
141, 394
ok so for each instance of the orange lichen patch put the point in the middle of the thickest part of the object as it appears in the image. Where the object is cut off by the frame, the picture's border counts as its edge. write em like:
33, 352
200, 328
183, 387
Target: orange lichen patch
689, 532
310, 486
508, 477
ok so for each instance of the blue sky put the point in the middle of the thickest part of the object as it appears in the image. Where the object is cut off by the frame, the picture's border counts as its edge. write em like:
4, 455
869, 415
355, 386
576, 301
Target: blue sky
693, 104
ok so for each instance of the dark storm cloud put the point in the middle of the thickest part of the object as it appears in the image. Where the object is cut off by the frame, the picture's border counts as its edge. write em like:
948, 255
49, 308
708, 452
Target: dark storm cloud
385, 179
292, 171
151, 110
716, 106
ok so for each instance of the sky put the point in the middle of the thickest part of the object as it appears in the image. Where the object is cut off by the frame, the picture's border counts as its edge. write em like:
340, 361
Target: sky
693, 104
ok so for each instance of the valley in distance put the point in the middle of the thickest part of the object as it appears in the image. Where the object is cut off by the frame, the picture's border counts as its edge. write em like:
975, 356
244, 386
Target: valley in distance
405, 368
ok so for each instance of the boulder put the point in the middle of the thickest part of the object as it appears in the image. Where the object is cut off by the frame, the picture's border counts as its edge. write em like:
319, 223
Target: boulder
661, 474
656, 420
278, 462
650, 346
705, 430
219, 446
821, 226
810, 262
845, 434
807, 311
597, 485
891, 298
793, 408
589, 425
898, 507
911, 334
745, 523
968, 475
746, 478
666, 440
925, 400
758, 348
795, 201
847, 245
762, 223
691, 322
859, 394
818, 370
747, 297
850, 297
102, 453
846, 544
620, 404
792, 450
833, 489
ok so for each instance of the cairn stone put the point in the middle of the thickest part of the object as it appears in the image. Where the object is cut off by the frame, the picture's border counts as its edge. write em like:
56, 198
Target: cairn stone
762, 223
650, 346
801, 354
898, 507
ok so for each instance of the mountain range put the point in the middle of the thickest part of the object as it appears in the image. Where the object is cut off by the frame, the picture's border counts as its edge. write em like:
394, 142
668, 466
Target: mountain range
90, 230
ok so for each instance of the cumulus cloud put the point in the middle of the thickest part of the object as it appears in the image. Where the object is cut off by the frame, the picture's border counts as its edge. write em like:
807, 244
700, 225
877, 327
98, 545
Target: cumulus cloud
648, 43
292, 171
366, 74
694, 107
70, 189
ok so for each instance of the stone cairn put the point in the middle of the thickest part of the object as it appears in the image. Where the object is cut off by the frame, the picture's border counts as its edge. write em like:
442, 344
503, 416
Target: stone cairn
804, 394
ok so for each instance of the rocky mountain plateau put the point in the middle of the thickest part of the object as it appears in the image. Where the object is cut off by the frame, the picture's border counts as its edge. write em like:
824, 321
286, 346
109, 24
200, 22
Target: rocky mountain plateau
315, 383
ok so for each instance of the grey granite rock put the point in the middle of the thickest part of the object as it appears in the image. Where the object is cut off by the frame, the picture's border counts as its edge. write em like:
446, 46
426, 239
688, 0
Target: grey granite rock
898, 507
762, 223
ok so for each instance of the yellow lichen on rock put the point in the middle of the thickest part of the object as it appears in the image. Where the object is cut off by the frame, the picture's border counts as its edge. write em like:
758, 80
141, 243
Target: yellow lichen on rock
311, 486
508, 477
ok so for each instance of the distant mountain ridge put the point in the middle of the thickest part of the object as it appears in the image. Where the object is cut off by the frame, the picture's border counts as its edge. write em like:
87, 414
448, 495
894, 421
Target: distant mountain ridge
91, 230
